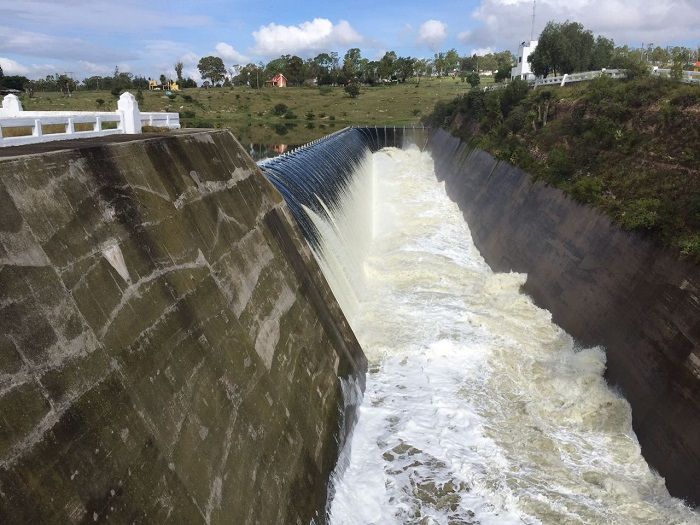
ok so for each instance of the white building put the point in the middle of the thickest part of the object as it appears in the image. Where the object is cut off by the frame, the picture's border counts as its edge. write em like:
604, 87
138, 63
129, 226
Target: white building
522, 68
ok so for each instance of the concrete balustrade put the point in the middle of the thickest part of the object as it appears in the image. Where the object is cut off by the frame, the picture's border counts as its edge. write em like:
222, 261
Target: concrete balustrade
128, 118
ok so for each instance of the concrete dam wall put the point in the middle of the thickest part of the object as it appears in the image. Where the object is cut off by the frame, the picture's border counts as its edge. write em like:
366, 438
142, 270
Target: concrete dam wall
169, 350
603, 285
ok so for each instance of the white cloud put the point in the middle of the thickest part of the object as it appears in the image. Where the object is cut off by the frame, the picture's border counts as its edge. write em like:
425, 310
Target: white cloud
481, 51
506, 23
125, 16
320, 34
94, 69
432, 33
229, 54
11, 67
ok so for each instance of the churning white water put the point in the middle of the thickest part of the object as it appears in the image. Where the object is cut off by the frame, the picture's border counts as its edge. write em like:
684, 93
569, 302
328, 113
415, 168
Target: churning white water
478, 408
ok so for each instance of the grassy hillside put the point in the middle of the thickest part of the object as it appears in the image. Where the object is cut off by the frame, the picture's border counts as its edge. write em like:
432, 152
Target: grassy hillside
631, 148
312, 112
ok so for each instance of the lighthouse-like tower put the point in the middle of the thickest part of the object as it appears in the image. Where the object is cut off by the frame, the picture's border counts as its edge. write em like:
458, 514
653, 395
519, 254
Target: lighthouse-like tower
522, 69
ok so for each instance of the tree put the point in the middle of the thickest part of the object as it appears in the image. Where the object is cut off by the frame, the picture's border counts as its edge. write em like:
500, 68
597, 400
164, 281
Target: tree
387, 66
563, 48
421, 68
353, 89
162, 80
294, 71
1, 76
351, 63
405, 68
178, 71
451, 61
603, 51
212, 67
473, 79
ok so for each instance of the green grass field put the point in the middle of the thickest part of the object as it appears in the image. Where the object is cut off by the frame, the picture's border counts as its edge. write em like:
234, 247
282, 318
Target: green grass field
249, 112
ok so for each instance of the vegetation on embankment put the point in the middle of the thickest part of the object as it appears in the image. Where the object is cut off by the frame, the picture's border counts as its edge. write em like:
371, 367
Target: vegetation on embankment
630, 148
309, 113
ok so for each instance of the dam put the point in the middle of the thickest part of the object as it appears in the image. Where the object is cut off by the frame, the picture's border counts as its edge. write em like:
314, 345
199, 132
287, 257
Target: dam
184, 341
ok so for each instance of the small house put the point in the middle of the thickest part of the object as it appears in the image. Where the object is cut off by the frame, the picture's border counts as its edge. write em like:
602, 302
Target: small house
279, 80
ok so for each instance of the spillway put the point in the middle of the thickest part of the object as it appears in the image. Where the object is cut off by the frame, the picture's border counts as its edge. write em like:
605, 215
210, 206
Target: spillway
478, 408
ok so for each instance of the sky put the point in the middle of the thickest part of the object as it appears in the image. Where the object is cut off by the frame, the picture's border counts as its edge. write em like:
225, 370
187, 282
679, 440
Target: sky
91, 37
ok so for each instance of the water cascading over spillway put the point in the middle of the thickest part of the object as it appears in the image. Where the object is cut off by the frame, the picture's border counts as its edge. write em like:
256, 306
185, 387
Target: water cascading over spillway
478, 409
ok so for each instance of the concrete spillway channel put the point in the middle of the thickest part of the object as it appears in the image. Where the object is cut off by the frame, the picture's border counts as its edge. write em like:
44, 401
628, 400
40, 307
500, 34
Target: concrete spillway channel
182, 336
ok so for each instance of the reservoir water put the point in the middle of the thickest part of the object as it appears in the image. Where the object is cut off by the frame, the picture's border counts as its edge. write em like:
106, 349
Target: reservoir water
478, 409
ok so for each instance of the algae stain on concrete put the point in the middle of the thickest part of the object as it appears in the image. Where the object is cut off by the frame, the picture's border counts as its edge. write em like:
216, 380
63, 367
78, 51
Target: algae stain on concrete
164, 337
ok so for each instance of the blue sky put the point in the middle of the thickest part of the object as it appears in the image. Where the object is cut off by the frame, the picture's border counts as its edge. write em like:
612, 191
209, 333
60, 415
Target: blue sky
85, 37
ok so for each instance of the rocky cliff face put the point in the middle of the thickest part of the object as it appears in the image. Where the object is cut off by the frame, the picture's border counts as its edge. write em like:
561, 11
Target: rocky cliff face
605, 287
169, 350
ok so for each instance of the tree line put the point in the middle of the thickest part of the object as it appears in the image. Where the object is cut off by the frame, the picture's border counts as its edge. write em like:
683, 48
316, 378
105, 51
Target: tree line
327, 68
330, 69
568, 47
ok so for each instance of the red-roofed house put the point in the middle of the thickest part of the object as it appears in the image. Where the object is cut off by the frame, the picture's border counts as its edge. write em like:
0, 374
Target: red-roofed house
279, 80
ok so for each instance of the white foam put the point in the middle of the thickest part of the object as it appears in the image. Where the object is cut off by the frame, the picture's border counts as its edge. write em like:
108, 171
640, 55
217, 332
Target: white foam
477, 407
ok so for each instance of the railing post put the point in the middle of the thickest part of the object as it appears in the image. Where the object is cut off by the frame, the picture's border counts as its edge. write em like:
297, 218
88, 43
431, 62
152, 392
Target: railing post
131, 116
98, 124
70, 128
37, 131
11, 105
563, 80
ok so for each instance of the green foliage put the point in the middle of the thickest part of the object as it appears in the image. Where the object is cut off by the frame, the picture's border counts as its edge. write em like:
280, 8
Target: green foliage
212, 67
587, 190
280, 109
100, 102
641, 214
473, 79
116, 91
690, 246
139, 96
512, 95
290, 115
325, 90
187, 98
560, 165
310, 115
353, 90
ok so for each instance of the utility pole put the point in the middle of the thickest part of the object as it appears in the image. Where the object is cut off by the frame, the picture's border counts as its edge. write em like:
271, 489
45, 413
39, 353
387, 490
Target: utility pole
532, 28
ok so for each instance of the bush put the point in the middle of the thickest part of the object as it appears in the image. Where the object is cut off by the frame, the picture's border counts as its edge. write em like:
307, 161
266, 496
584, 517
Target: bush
416, 112
280, 109
690, 246
310, 115
325, 90
116, 91
100, 102
560, 165
172, 96
641, 214
187, 114
290, 115
353, 90
587, 190
187, 98
516, 120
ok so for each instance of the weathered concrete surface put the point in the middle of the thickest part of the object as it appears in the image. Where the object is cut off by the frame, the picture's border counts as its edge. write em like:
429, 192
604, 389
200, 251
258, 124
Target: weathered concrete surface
604, 286
169, 350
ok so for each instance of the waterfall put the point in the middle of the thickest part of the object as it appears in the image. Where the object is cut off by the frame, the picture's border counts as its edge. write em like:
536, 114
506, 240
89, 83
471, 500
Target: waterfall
478, 408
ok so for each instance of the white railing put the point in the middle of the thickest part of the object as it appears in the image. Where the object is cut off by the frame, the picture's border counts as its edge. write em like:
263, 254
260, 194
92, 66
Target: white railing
128, 119
689, 77
562, 80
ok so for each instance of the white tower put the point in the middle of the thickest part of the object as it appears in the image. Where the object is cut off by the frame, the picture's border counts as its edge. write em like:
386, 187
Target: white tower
522, 69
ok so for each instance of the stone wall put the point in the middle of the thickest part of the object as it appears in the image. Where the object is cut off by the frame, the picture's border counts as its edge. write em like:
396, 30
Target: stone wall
169, 349
604, 286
